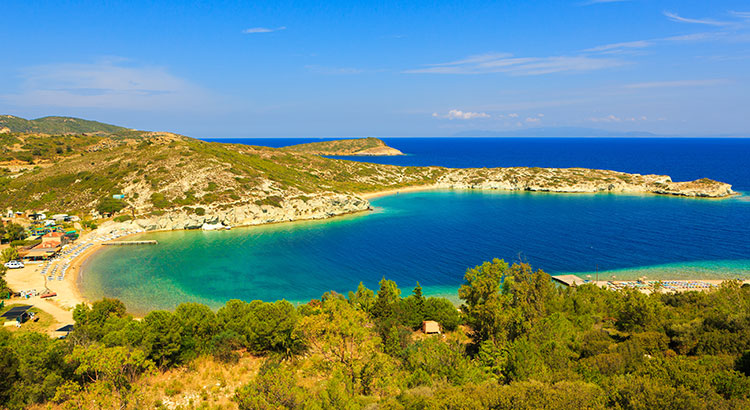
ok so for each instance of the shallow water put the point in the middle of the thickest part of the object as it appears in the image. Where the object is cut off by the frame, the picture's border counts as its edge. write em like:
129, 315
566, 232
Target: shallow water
431, 237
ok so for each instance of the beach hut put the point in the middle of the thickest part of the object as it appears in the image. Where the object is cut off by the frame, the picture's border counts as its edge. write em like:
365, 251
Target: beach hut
431, 327
64, 331
17, 315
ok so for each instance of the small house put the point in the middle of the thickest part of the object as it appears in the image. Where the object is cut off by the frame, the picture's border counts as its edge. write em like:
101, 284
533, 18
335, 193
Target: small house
431, 327
17, 315
53, 239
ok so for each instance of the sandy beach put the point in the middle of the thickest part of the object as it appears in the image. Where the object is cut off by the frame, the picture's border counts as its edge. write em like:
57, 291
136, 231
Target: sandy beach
370, 195
30, 278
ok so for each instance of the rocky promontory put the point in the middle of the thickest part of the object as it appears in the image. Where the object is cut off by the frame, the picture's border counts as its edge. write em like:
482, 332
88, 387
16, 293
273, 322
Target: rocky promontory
579, 180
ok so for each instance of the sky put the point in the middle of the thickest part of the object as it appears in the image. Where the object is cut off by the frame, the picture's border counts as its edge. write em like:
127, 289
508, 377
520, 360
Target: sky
216, 69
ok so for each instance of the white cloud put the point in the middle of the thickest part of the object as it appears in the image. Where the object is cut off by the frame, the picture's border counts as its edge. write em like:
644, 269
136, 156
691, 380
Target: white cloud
532, 120
709, 22
257, 30
614, 118
741, 14
619, 46
608, 118
461, 115
513, 115
680, 83
505, 63
106, 84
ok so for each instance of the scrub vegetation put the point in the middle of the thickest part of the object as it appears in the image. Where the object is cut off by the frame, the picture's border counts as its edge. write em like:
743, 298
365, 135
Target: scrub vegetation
518, 342
78, 170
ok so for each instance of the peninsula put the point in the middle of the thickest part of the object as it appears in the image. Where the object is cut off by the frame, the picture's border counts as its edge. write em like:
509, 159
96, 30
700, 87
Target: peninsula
166, 181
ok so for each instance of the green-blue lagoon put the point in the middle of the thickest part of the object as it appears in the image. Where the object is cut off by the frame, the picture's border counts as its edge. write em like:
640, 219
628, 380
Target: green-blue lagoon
430, 237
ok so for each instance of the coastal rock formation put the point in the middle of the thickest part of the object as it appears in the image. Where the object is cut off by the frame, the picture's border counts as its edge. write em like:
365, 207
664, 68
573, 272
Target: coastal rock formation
317, 207
578, 180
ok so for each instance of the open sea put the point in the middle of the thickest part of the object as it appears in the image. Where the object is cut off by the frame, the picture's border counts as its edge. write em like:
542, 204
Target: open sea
433, 237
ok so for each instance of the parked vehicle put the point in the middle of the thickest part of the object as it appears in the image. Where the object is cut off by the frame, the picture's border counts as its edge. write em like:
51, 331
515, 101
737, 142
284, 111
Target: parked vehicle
14, 265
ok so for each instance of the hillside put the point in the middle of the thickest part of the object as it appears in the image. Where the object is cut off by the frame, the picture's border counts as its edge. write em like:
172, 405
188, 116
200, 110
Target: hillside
346, 147
175, 182
57, 125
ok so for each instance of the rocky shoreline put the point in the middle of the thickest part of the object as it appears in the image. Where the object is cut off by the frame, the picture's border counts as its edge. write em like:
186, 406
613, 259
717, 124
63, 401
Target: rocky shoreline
328, 205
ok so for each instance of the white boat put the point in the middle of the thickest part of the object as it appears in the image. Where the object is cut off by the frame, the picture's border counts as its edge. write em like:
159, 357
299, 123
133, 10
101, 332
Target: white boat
212, 227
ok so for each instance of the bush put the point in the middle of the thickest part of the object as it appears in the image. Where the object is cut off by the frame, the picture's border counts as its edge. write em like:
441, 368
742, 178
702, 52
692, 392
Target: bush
159, 200
110, 205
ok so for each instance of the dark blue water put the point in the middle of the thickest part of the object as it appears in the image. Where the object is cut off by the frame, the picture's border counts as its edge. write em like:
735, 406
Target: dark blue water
432, 237
722, 159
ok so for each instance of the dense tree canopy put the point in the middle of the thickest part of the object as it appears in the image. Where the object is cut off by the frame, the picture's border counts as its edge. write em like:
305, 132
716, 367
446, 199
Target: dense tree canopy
518, 342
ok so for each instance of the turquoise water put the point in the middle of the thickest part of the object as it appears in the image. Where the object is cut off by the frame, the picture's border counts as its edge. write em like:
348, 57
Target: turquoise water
431, 237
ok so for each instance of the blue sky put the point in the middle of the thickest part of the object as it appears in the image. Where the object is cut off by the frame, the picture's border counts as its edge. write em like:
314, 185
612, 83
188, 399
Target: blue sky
345, 68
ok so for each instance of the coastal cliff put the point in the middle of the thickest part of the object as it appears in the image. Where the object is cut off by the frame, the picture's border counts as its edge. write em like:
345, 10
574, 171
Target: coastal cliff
248, 214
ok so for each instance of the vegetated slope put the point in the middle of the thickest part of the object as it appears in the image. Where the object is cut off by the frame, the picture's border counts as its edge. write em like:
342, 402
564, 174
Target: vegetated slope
180, 179
354, 146
57, 125
162, 171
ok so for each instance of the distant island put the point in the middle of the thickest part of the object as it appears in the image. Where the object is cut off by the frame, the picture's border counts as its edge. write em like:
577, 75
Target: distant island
347, 147
554, 132
161, 180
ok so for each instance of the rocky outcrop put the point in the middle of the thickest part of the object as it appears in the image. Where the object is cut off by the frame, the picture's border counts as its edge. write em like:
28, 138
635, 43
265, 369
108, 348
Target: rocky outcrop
579, 180
251, 211
244, 214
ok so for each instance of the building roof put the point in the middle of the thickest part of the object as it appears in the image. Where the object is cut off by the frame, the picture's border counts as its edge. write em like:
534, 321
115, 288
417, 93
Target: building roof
34, 252
66, 328
430, 326
569, 280
16, 312
53, 235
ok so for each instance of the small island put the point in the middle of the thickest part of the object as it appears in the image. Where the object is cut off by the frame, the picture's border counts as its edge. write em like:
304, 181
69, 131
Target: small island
347, 147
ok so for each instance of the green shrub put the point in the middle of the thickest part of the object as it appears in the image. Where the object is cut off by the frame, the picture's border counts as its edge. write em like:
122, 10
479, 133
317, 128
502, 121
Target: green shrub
159, 200
110, 205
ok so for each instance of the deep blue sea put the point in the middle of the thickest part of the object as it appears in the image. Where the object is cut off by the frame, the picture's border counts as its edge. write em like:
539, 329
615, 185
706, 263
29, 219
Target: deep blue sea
432, 237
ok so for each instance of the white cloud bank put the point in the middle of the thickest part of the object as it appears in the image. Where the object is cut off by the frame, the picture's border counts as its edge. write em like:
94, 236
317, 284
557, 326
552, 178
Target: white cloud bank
461, 115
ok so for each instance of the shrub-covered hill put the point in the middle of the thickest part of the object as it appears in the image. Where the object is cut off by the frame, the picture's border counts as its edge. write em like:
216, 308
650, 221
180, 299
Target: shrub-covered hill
354, 146
185, 182
57, 125
162, 171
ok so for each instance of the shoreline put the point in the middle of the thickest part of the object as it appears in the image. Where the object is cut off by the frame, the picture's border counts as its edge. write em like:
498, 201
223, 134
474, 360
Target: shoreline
73, 280
396, 191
